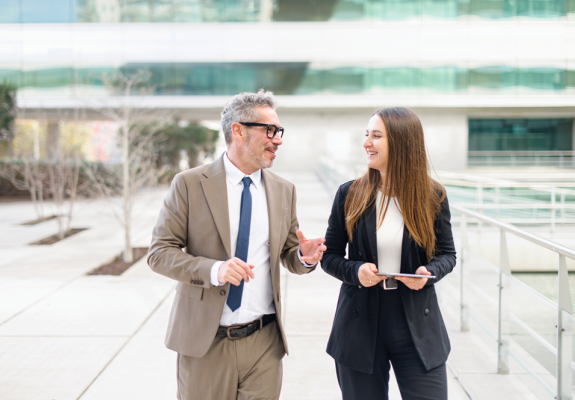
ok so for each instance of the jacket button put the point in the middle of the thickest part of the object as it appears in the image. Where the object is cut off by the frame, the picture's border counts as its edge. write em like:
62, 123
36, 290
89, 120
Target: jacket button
222, 292
426, 312
200, 282
355, 314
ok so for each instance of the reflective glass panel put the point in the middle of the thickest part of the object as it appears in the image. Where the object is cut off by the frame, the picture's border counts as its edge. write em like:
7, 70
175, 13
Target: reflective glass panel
520, 134
197, 11
302, 78
9, 11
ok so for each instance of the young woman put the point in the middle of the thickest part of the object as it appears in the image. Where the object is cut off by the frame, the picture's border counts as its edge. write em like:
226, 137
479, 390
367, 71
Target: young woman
395, 219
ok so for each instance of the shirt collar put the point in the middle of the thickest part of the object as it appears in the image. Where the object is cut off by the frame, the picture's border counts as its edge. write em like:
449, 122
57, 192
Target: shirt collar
235, 176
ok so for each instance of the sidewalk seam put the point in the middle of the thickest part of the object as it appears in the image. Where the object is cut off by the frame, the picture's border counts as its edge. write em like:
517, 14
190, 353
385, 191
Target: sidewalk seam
127, 341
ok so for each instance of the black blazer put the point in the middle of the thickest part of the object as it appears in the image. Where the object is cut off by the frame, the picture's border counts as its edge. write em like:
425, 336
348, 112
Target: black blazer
354, 333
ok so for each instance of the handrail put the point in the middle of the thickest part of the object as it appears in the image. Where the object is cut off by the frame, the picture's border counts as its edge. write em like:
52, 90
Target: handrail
521, 153
557, 248
563, 354
559, 186
510, 206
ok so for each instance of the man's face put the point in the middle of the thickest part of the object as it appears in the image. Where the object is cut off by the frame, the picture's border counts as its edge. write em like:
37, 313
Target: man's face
260, 148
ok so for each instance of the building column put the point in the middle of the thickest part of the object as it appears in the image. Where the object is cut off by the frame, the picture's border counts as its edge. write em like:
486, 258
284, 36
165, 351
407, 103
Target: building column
53, 139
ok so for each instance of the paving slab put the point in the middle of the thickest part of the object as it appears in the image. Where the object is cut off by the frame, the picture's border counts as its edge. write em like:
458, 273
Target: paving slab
12, 254
309, 372
19, 293
311, 303
495, 387
144, 369
91, 306
33, 368
18, 235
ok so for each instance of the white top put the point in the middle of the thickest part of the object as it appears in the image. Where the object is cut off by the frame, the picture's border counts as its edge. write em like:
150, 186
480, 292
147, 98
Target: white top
258, 295
389, 237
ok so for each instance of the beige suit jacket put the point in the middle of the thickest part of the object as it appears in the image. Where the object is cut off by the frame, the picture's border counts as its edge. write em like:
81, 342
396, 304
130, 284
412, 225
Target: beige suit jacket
195, 218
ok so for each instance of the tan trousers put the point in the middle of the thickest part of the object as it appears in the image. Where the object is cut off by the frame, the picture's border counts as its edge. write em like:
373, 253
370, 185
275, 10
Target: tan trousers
244, 369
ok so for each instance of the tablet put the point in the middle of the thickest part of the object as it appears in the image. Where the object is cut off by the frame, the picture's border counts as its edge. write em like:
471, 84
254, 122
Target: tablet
408, 275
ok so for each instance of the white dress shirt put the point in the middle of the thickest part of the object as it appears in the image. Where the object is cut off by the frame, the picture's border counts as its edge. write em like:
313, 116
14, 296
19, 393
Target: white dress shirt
257, 295
389, 237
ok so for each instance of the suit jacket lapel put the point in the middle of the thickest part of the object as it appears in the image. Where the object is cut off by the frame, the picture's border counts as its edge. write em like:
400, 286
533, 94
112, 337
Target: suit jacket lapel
370, 216
405, 245
275, 202
216, 192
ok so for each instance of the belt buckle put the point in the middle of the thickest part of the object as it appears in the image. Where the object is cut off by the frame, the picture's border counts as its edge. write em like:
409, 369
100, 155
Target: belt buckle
228, 332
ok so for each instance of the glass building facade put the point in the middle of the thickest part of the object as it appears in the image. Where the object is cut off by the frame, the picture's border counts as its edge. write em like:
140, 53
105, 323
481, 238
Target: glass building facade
508, 56
302, 78
197, 11
521, 134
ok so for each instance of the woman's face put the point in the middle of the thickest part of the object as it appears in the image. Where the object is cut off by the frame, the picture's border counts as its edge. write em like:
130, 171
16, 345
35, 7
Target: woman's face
376, 145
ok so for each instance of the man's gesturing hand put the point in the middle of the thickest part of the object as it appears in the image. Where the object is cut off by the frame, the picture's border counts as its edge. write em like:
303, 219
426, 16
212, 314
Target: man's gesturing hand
234, 271
311, 249
367, 275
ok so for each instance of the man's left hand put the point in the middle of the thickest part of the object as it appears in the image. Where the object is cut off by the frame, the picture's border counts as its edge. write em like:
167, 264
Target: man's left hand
311, 249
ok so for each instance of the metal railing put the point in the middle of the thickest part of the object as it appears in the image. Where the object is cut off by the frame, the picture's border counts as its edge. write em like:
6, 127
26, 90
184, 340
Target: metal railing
565, 318
561, 159
488, 197
552, 199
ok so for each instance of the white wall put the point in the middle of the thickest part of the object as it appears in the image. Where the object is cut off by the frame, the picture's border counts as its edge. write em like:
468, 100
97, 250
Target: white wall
340, 136
446, 137
525, 42
311, 135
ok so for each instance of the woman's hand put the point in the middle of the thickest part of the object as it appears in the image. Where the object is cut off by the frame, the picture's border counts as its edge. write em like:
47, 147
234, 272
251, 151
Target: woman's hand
415, 283
367, 275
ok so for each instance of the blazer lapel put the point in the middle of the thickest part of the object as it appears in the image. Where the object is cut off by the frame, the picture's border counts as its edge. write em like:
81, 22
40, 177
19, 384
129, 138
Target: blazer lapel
371, 227
405, 246
275, 202
216, 192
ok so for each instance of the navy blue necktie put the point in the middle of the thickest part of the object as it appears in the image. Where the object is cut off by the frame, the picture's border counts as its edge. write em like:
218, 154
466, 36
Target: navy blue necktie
235, 297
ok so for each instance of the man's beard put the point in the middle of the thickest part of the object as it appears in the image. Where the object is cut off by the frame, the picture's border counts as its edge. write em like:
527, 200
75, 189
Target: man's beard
263, 163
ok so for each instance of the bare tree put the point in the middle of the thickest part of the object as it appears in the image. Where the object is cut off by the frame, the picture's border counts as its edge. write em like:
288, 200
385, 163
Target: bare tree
138, 168
63, 176
27, 174
53, 172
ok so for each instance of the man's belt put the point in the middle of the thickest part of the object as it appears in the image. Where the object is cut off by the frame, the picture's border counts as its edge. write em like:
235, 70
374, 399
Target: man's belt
241, 331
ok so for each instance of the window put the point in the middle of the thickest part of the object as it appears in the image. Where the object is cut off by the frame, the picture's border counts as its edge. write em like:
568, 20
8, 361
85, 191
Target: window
520, 134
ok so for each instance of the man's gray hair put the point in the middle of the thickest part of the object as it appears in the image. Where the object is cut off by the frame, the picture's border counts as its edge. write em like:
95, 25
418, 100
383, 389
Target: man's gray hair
242, 108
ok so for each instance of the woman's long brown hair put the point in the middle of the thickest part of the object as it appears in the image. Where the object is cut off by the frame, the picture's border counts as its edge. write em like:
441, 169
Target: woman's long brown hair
407, 177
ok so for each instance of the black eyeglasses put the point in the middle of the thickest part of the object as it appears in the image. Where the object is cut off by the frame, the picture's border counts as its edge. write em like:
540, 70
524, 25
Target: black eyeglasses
271, 130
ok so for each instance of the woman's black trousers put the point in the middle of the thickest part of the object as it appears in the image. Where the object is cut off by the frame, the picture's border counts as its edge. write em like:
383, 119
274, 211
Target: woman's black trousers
394, 345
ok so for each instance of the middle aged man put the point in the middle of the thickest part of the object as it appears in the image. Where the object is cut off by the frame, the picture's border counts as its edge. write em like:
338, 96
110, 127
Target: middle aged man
226, 317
